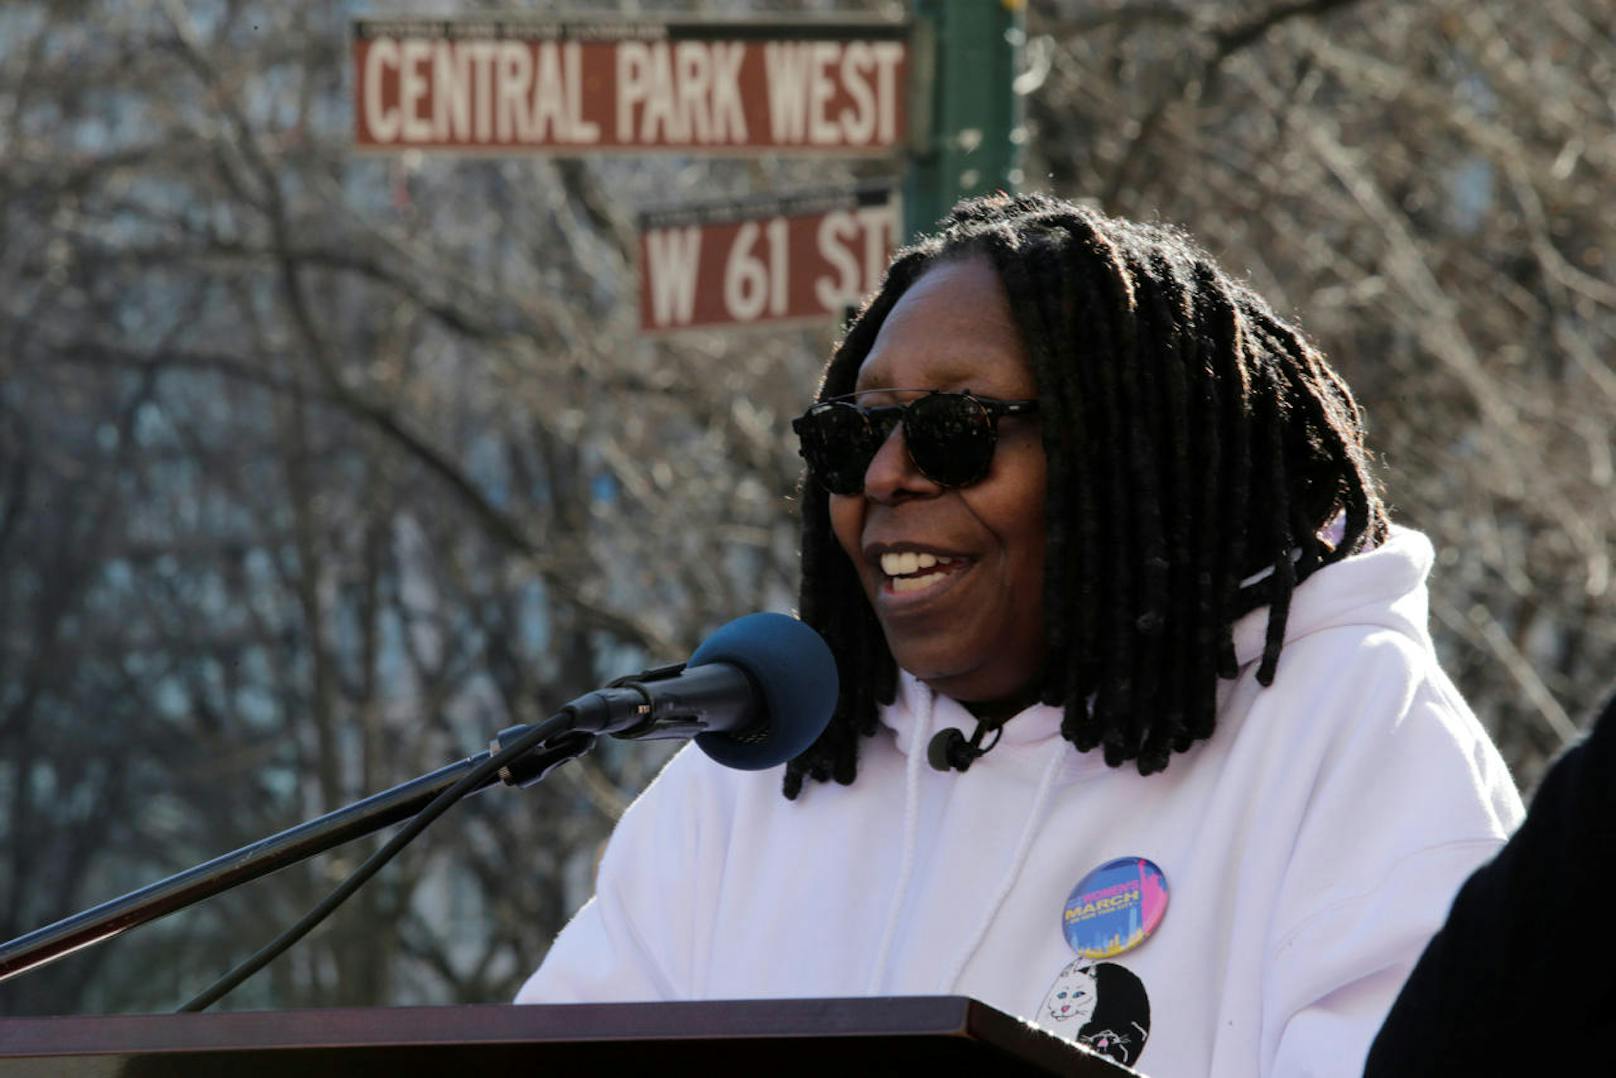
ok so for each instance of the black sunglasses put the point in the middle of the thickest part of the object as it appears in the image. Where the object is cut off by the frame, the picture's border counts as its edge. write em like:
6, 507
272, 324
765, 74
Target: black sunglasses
950, 436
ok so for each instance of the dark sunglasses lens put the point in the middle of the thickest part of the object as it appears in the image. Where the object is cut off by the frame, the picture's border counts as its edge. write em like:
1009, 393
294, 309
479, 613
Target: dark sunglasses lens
838, 444
950, 439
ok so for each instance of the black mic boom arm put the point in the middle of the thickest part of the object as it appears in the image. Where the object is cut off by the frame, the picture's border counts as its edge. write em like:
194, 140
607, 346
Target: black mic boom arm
288, 847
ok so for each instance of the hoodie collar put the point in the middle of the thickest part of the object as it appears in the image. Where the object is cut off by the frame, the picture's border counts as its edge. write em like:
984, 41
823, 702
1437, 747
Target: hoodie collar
1036, 724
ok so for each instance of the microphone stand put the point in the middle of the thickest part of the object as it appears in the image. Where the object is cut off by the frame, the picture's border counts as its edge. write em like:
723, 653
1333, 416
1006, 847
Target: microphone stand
295, 844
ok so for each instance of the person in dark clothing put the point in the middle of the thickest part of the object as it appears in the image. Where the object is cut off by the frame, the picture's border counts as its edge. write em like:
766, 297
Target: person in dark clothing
1522, 977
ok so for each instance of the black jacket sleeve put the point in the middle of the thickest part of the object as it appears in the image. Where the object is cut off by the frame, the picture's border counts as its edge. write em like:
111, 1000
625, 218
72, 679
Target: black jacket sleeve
1522, 977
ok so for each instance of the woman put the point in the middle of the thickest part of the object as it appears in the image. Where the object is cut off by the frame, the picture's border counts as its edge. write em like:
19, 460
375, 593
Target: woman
1073, 492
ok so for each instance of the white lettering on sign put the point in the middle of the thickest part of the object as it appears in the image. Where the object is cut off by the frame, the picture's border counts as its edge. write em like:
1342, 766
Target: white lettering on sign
481, 54
787, 67
801, 85
859, 122
412, 84
821, 88
805, 262
751, 284
469, 85
837, 227
480, 90
694, 81
888, 55
688, 92
451, 89
515, 75
880, 227
383, 123
855, 245
673, 255
729, 124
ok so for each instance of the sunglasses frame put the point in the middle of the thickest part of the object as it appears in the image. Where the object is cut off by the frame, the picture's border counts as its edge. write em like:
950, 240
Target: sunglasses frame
993, 409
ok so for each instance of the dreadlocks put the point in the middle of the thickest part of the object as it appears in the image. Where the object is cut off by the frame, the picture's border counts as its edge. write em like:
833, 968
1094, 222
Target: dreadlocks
1194, 441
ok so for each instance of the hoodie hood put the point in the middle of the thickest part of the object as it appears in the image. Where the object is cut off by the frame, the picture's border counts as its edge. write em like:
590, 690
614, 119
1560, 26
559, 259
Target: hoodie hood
1383, 587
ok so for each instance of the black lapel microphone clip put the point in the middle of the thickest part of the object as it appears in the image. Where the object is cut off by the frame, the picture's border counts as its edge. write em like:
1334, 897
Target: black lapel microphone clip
950, 751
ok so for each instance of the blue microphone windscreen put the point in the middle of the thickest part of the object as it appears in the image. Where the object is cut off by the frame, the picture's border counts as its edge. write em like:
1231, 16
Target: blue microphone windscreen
792, 667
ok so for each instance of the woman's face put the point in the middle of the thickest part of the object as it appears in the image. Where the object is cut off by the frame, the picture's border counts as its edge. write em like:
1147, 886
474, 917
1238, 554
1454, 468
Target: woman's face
970, 627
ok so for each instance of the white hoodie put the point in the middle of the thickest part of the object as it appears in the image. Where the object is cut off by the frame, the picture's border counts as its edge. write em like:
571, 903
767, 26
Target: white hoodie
1310, 849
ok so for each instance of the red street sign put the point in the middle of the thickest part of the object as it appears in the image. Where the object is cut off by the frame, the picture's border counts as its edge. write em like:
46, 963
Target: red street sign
503, 85
801, 259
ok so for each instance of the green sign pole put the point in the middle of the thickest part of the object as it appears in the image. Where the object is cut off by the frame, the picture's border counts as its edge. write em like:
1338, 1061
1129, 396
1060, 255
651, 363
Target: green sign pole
968, 134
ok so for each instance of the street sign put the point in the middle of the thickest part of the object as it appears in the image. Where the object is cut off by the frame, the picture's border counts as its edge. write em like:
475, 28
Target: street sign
523, 85
803, 259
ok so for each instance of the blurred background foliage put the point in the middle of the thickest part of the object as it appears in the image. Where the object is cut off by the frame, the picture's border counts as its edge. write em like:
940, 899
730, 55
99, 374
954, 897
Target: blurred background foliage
318, 468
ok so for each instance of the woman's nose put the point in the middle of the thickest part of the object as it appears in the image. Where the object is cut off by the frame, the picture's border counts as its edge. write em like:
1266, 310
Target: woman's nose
892, 475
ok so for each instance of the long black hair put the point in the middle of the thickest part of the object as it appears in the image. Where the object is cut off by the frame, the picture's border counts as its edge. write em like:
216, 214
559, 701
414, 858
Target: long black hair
1194, 439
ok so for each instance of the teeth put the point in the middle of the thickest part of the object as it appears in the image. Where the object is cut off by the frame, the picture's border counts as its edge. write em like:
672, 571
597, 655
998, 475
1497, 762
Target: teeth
911, 561
915, 583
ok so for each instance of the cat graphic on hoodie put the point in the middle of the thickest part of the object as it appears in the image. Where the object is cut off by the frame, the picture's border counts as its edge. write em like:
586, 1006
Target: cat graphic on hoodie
1099, 1004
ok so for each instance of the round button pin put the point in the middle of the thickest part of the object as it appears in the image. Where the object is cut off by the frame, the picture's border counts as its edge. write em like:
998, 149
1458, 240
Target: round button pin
1115, 908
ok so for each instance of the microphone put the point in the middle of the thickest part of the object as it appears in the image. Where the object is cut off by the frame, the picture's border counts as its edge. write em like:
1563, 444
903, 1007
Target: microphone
949, 751
756, 693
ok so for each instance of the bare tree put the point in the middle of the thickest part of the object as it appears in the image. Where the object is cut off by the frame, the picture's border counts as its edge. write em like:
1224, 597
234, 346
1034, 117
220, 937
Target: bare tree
319, 470
1420, 184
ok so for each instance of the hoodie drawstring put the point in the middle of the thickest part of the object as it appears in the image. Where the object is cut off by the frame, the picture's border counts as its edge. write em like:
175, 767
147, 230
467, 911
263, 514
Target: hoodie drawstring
1029, 831
911, 825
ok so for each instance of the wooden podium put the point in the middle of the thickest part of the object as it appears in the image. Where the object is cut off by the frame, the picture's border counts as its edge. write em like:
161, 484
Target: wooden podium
840, 1038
